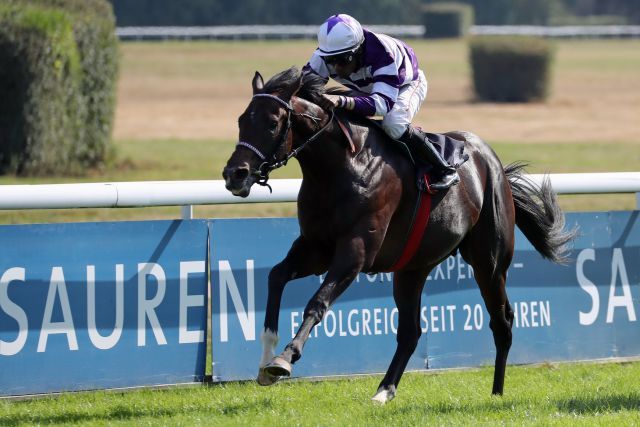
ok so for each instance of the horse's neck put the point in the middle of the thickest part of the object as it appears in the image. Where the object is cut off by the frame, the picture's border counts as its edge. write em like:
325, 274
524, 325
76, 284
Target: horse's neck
323, 156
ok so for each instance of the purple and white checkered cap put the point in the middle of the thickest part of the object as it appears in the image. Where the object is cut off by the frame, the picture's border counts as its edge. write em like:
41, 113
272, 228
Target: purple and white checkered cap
338, 34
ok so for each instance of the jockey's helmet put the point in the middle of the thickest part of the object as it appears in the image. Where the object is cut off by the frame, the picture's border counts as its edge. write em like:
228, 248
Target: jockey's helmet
339, 34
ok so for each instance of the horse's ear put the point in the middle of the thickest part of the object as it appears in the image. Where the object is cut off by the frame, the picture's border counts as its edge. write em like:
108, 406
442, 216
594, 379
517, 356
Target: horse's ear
257, 83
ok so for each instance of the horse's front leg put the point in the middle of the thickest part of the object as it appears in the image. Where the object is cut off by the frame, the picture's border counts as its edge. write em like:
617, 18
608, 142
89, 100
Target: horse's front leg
302, 260
347, 262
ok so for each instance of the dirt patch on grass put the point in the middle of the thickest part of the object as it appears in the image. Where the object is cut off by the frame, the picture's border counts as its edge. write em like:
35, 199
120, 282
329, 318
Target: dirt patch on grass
198, 90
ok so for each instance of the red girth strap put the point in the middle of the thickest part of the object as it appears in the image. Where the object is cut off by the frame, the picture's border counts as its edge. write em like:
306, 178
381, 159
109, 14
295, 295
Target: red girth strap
419, 225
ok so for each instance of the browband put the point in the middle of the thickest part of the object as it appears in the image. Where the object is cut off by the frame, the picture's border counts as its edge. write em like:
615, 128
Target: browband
286, 105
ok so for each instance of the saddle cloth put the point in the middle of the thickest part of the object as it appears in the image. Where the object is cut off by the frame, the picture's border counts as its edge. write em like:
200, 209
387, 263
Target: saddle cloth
450, 149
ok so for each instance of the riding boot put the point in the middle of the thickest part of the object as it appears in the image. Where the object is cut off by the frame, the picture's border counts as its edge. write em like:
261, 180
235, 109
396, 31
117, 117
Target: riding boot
445, 175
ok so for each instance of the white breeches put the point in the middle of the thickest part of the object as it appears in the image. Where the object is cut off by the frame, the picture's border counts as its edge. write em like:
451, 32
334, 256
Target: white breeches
407, 105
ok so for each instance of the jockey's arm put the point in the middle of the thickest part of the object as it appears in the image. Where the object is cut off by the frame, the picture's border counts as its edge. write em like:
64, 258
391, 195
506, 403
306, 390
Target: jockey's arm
378, 103
375, 104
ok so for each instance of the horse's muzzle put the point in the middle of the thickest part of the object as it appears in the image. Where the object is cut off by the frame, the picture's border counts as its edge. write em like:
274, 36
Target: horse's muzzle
238, 179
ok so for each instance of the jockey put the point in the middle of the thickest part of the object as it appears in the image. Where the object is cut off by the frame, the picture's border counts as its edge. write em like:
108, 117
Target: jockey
385, 72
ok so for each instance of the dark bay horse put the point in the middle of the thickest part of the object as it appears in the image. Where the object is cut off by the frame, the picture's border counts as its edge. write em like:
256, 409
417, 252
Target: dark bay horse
355, 209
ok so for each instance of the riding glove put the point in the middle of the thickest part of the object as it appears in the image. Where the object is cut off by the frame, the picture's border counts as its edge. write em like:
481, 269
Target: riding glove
338, 101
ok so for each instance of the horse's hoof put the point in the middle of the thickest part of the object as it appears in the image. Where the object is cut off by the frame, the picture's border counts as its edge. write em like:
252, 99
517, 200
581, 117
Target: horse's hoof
278, 367
265, 379
383, 396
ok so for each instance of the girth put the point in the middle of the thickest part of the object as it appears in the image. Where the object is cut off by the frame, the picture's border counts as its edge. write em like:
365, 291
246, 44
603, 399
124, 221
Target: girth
419, 222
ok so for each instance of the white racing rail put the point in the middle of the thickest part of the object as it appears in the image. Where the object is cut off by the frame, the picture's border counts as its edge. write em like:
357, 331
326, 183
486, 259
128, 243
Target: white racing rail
241, 32
189, 193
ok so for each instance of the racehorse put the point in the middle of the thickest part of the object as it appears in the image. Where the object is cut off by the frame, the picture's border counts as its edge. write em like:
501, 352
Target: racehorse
355, 209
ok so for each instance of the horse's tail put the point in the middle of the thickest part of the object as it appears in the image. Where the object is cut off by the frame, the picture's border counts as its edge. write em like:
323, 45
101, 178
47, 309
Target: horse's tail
538, 215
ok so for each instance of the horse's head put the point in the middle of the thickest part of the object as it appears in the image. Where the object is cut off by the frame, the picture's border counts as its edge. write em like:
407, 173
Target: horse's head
265, 134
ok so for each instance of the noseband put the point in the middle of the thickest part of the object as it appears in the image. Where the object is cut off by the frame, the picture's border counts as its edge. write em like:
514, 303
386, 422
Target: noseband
273, 163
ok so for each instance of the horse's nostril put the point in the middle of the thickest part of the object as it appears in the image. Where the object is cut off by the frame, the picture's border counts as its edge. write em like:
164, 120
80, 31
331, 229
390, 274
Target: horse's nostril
240, 173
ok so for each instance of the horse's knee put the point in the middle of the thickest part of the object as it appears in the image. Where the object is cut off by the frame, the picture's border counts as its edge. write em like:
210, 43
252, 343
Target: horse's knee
315, 310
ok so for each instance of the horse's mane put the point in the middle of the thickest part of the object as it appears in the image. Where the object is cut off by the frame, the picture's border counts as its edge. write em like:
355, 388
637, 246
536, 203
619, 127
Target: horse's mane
313, 86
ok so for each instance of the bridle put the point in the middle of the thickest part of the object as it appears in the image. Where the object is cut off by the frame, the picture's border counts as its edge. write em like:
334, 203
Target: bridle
270, 163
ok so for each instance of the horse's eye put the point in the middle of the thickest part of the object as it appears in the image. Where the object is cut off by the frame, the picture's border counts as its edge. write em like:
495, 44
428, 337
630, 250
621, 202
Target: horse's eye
272, 127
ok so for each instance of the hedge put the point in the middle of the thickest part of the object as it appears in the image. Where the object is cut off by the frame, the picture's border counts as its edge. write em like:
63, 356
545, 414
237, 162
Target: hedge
58, 71
41, 109
511, 69
447, 20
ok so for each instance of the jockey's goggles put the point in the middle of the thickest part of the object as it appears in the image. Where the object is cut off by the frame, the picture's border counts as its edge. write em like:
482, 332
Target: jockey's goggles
340, 59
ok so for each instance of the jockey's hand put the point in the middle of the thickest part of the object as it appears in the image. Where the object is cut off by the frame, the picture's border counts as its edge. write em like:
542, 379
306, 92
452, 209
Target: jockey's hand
337, 101
329, 102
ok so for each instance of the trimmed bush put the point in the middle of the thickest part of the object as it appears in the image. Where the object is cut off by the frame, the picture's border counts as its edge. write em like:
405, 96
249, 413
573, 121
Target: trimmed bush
511, 69
443, 20
94, 29
58, 70
41, 108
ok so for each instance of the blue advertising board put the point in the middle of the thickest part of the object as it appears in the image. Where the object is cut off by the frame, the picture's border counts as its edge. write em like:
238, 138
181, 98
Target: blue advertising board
584, 310
102, 305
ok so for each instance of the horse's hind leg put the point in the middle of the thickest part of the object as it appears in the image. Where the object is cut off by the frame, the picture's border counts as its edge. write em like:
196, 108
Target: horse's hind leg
501, 323
407, 290
490, 254
492, 287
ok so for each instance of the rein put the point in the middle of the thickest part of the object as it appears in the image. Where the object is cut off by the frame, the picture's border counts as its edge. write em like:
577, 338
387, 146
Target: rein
267, 166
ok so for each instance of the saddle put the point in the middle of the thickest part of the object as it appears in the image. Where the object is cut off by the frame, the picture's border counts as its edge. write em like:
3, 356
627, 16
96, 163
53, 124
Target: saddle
450, 149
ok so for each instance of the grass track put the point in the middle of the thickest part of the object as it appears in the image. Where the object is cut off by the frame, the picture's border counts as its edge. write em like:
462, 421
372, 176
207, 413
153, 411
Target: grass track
567, 394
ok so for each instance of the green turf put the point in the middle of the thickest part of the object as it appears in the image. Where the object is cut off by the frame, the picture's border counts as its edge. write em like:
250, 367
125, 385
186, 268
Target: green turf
572, 394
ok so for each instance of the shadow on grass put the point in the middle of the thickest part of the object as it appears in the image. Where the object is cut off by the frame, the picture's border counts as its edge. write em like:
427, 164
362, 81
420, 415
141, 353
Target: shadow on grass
125, 413
449, 408
600, 404
609, 403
